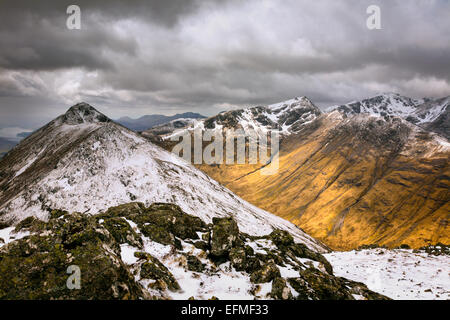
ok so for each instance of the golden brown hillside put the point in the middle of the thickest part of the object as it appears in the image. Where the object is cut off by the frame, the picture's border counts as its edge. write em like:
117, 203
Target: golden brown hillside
355, 181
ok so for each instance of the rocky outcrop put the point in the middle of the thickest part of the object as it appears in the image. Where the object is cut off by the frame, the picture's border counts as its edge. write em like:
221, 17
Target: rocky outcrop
117, 257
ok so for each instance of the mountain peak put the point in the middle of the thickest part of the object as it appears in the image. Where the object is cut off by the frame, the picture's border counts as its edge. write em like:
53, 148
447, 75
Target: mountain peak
297, 100
83, 113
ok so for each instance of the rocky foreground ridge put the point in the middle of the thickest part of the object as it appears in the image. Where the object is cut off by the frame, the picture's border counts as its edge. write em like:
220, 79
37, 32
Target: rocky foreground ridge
159, 252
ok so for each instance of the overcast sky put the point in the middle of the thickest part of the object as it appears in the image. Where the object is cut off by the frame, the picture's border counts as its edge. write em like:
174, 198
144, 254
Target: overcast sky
142, 57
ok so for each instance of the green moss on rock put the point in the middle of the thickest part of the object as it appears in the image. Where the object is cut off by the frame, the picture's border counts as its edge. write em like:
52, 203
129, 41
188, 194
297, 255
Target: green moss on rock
280, 289
153, 269
194, 264
35, 267
122, 231
267, 273
225, 236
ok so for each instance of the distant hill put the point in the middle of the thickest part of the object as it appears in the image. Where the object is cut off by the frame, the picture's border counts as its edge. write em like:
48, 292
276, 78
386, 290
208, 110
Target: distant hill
6, 145
153, 120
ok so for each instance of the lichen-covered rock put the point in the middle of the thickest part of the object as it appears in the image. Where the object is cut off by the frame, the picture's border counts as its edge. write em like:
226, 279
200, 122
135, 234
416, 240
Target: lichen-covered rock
122, 231
158, 234
25, 224
126, 210
55, 214
153, 269
267, 273
315, 285
280, 289
201, 245
238, 258
361, 289
194, 264
225, 236
163, 222
281, 238
302, 251
36, 267
319, 286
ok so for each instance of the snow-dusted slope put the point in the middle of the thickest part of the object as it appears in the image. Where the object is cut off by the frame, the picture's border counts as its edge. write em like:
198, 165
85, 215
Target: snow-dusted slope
84, 162
398, 274
430, 111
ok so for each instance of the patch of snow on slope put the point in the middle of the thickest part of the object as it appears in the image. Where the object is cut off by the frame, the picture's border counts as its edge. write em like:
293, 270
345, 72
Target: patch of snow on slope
398, 274
433, 113
8, 235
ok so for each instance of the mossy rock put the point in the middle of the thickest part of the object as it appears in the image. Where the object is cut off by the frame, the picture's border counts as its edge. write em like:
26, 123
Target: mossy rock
304, 292
238, 258
125, 210
225, 236
280, 289
153, 269
3, 225
25, 224
55, 214
122, 231
202, 245
36, 266
158, 234
324, 286
252, 264
194, 264
172, 219
302, 251
249, 251
282, 239
267, 273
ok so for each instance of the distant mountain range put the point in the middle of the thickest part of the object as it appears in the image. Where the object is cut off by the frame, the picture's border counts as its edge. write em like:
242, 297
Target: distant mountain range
153, 120
374, 171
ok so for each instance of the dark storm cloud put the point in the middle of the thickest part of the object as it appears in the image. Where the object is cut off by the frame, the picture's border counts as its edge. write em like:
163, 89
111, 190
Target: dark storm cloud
138, 57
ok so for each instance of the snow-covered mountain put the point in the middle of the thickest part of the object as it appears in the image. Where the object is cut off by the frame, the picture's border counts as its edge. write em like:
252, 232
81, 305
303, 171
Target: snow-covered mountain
430, 114
84, 162
289, 117
383, 105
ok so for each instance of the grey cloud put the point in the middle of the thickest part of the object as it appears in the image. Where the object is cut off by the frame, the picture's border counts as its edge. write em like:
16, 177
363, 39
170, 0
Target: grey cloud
137, 57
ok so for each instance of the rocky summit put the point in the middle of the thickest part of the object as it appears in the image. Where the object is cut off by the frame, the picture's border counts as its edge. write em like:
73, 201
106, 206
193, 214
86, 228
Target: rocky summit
159, 252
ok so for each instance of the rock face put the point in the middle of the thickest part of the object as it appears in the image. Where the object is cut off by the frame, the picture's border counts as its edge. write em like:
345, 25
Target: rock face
288, 117
118, 259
